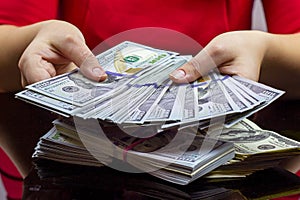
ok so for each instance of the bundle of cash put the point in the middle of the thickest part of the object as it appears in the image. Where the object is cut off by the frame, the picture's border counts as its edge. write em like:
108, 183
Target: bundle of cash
178, 157
255, 149
235, 153
138, 91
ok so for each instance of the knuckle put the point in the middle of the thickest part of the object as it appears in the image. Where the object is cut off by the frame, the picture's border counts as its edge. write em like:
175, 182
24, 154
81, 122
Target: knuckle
76, 47
216, 50
22, 62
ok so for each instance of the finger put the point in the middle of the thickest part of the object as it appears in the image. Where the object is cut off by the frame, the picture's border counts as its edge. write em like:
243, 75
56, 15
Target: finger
65, 68
76, 50
35, 69
207, 59
185, 74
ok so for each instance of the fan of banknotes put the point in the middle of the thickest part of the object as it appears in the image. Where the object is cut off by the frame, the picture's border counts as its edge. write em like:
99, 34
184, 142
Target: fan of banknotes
139, 98
138, 91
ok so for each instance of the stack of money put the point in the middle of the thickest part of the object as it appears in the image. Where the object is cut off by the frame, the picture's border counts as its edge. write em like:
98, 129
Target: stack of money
235, 153
138, 91
179, 157
255, 149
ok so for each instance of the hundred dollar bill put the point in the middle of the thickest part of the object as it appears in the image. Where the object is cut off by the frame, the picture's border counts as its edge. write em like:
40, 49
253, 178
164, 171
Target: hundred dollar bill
74, 88
249, 142
240, 97
213, 100
144, 110
46, 102
250, 139
129, 57
153, 153
268, 94
252, 98
170, 106
122, 106
119, 105
61, 148
190, 104
190, 109
237, 99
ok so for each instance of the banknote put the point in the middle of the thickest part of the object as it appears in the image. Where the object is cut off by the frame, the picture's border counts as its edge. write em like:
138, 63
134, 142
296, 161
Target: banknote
129, 57
269, 94
169, 107
73, 88
61, 148
213, 100
266, 94
188, 155
138, 91
47, 102
250, 139
145, 109
190, 103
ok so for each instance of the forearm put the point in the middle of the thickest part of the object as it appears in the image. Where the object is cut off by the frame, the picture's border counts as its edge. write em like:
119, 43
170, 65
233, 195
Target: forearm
14, 41
281, 64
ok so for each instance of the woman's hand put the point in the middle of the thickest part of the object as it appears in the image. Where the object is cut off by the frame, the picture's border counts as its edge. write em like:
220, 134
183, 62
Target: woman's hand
234, 53
58, 47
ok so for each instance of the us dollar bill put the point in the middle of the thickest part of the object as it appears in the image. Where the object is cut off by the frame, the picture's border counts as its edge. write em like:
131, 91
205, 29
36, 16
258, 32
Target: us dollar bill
169, 107
266, 94
250, 142
48, 103
213, 100
129, 57
269, 94
136, 91
145, 109
249, 139
74, 88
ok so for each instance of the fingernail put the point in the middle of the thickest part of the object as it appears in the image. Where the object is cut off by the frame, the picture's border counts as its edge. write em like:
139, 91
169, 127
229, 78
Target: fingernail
178, 74
98, 72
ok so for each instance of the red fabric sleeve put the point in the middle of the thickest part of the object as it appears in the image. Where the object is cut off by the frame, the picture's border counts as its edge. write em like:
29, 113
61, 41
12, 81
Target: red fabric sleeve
282, 16
16, 12
11, 177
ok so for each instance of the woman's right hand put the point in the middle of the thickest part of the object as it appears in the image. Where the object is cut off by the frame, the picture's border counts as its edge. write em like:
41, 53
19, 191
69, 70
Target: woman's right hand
58, 47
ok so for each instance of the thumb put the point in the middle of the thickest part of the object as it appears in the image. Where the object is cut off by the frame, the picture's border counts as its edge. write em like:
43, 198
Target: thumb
91, 68
198, 66
185, 74
77, 51
207, 59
